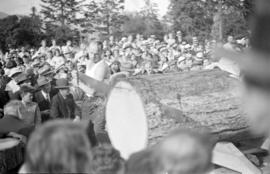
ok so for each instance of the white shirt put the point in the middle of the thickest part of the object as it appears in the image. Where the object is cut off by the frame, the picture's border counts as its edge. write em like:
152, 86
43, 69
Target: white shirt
45, 95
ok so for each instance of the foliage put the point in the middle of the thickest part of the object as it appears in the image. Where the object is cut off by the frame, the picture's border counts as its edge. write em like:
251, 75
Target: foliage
19, 31
105, 16
196, 17
60, 18
145, 22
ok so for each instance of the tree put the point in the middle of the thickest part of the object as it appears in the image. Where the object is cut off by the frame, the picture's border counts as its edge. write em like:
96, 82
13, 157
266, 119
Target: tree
206, 18
60, 18
61, 12
145, 22
19, 31
105, 16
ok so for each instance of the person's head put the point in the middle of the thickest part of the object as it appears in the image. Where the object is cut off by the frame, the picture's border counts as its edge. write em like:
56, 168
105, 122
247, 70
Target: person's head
63, 86
184, 152
26, 59
57, 52
53, 42
107, 160
94, 51
12, 108
59, 147
69, 43
140, 163
46, 88
49, 55
43, 43
116, 66
230, 39
26, 93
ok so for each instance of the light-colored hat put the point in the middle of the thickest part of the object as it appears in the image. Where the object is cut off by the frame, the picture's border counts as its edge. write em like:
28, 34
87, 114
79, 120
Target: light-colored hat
14, 71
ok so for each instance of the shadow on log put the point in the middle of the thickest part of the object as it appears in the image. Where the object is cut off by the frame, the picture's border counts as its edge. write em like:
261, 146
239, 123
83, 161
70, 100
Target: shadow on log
196, 100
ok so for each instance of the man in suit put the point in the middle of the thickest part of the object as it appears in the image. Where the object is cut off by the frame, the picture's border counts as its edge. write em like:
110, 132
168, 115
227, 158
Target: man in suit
44, 97
63, 105
12, 122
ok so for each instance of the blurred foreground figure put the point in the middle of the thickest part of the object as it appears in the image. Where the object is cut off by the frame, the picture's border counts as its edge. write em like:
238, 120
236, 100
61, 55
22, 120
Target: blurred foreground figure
183, 152
107, 160
58, 147
254, 64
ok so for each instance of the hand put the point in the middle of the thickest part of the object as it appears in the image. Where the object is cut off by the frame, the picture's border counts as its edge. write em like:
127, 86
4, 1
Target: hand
47, 112
18, 136
77, 119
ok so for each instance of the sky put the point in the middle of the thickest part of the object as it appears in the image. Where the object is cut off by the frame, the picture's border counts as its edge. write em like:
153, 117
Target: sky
24, 6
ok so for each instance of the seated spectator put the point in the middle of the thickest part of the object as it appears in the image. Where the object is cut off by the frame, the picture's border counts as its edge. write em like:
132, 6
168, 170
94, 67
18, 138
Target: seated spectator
29, 110
58, 147
44, 96
58, 60
12, 120
107, 160
63, 104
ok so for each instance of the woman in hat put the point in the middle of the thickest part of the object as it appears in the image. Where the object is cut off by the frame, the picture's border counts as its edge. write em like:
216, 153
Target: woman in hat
29, 111
58, 60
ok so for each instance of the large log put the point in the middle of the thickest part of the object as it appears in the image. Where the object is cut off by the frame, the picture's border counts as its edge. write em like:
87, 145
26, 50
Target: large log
196, 100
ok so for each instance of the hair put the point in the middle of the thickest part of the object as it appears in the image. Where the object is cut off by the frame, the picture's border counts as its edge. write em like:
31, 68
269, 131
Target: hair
140, 163
59, 147
107, 160
12, 108
184, 152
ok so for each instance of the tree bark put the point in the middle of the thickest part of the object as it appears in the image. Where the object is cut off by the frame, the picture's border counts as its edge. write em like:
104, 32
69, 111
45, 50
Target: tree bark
196, 100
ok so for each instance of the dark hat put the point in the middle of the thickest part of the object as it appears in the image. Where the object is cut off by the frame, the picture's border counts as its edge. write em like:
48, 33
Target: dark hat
62, 84
41, 81
27, 89
11, 64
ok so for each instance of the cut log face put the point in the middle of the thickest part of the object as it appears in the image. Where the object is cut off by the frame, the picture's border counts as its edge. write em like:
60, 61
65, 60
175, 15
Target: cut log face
196, 100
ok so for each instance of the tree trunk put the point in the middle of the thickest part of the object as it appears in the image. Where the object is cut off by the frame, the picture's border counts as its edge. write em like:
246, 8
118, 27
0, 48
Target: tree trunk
196, 100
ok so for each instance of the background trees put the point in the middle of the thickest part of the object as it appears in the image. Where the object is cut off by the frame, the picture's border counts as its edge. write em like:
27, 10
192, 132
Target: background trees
68, 19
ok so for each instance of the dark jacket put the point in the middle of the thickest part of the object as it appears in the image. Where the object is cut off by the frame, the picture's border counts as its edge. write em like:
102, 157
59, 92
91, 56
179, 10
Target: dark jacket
64, 108
11, 123
44, 104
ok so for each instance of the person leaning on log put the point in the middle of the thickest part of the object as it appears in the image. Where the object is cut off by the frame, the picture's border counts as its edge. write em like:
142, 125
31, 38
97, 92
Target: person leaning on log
254, 64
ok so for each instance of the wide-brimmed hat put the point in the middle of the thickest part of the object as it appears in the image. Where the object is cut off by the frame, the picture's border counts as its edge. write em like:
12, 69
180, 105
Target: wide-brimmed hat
254, 62
62, 84
42, 81
14, 71
21, 78
44, 69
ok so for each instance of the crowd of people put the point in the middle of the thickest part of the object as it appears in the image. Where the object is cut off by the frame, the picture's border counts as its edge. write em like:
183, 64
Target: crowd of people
39, 87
